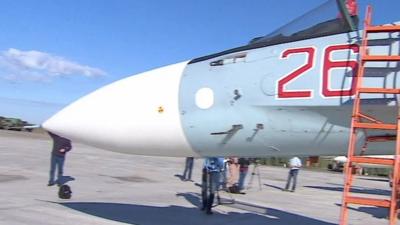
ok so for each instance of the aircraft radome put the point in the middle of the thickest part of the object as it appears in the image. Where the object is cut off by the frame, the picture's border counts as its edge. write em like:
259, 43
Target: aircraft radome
287, 93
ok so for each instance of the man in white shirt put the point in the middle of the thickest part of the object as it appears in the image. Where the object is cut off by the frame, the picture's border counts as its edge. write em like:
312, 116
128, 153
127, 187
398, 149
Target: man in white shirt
295, 165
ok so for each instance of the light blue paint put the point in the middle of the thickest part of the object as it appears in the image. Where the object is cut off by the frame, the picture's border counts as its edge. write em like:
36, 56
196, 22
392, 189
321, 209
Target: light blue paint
128, 37
291, 126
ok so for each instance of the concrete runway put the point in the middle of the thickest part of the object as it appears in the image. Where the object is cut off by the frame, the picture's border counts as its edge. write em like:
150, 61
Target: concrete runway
112, 188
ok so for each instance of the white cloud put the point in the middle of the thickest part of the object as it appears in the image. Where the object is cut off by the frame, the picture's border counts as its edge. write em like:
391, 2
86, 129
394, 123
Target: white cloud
40, 66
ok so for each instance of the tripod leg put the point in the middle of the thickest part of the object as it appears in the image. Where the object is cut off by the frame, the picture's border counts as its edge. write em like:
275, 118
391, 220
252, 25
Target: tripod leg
231, 197
259, 178
252, 177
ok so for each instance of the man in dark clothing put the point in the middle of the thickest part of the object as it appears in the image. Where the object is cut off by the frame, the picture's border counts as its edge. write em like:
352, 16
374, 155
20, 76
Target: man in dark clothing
60, 147
243, 168
187, 173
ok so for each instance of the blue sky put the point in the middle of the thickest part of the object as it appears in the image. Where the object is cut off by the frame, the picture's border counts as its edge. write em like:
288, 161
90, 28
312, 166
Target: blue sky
54, 51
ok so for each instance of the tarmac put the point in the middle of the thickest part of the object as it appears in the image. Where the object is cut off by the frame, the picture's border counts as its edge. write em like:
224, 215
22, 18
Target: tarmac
113, 188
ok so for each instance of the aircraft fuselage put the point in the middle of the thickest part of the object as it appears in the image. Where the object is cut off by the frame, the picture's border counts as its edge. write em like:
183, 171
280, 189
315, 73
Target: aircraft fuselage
292, 98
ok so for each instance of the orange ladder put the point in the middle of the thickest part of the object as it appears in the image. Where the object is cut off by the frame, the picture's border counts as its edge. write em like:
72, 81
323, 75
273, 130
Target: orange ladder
363, 121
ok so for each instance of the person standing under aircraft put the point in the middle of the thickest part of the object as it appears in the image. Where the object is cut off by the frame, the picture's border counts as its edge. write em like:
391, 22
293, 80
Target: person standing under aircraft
187, 173
60, 148
295, 165
210, 181
243, 168
224, 175
233, 179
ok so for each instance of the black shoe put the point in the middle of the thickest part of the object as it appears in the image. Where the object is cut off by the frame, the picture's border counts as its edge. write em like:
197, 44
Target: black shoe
209, 204
51, 184
291, 190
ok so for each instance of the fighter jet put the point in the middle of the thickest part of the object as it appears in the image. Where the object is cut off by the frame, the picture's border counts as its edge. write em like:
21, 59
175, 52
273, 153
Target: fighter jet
287, 93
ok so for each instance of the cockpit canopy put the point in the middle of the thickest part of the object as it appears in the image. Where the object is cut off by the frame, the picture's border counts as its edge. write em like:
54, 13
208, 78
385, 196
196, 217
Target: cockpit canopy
332, 17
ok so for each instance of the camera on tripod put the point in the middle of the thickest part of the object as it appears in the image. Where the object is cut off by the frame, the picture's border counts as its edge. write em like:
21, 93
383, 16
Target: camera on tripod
255, 171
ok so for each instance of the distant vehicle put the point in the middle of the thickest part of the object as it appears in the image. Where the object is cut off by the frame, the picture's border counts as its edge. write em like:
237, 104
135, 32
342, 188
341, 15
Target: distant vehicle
14, 124
337, 163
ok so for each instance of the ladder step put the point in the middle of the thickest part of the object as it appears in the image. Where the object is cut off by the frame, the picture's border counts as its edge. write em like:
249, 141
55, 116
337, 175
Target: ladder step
382, 138
380, 58
368, 201
381, 126
372, 160
379, 29
379, 90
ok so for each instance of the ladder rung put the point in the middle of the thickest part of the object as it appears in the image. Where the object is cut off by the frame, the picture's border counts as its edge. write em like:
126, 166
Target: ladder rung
379, 90
381, 126
381, 58
368, 201
382, 138
372, 160
370, 118
379, 29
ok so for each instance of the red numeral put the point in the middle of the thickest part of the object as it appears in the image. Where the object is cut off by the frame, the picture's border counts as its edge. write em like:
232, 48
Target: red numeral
282, 93
328, 65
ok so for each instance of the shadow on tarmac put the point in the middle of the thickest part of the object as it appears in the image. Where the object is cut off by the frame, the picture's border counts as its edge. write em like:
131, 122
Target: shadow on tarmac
273, 186
377, 212
65, 179
174, 215
380, 213
179, 176
372, 191
375, 179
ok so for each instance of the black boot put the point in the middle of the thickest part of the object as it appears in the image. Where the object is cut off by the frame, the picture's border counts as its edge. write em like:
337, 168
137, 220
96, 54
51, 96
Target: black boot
203, 201
209, 204
204, 190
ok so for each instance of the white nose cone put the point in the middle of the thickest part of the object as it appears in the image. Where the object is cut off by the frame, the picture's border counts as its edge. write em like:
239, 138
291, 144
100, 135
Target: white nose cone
136, 115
